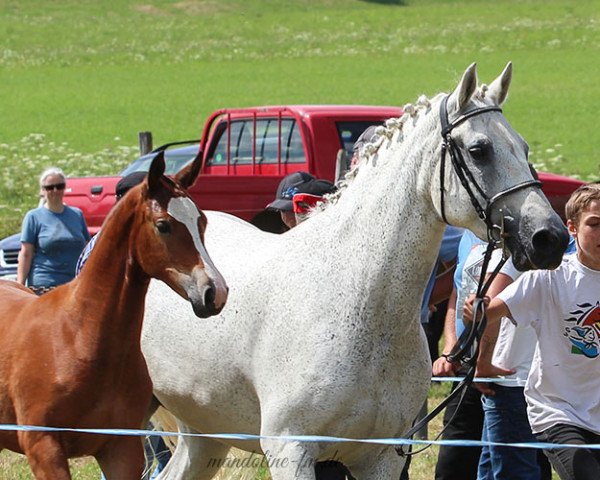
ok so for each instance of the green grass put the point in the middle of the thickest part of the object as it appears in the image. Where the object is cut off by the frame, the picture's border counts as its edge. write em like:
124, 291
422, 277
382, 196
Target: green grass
88, 75
92, 74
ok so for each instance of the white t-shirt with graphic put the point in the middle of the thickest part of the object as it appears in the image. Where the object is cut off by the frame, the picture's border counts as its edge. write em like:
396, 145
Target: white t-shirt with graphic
563, 307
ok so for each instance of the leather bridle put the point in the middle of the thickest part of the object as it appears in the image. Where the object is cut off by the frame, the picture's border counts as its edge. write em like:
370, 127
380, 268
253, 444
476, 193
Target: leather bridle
466, 350
465, 175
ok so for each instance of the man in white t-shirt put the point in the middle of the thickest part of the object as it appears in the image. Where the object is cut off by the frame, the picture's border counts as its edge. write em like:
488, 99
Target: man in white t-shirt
563, 307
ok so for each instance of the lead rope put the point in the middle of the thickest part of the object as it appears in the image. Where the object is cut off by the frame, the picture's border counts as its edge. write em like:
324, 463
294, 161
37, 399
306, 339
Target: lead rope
468, 341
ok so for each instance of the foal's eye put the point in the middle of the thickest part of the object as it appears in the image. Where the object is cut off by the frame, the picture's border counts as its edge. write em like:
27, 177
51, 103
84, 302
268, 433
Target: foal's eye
163, 226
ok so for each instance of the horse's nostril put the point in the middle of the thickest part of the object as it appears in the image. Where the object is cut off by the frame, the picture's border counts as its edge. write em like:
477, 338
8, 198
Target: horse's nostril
209, 296
544, 240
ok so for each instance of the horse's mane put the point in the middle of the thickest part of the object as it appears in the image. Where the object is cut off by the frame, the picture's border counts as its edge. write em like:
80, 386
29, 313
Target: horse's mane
385, 133
368, 151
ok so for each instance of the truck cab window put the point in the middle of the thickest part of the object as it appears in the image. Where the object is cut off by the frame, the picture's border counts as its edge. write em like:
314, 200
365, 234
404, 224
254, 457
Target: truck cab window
350, 131
268, 132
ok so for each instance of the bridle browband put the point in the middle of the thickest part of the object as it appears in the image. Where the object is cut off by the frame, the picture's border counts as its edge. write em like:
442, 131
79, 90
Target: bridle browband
466, 349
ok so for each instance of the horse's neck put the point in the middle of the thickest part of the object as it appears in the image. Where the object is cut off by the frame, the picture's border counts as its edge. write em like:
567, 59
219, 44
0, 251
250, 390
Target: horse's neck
112, 286
384, 229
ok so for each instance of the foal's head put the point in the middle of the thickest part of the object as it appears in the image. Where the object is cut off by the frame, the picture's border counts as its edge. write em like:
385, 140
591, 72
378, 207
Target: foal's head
169, 242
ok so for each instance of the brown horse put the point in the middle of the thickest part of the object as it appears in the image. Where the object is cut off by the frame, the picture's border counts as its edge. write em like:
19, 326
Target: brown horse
72, 357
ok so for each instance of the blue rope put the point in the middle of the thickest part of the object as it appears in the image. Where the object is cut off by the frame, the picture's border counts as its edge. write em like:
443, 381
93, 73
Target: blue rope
293, 438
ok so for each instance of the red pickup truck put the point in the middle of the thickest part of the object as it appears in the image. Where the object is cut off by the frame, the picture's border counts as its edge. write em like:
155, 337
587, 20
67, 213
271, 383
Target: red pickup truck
247, 151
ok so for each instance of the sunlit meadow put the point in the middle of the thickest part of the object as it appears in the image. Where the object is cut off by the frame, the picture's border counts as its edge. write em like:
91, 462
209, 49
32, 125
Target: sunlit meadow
81, 78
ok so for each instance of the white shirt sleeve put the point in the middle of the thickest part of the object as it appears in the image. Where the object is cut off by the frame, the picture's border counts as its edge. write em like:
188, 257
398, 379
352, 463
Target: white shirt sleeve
526, 297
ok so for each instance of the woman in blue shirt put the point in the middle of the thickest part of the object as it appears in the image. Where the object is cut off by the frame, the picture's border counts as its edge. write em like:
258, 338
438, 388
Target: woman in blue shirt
52, 237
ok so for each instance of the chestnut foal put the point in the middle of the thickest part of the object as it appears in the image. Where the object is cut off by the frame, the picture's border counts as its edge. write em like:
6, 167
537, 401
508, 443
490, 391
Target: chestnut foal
72, 357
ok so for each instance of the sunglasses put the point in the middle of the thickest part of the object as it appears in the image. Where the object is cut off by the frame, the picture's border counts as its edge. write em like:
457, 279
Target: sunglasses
56, 186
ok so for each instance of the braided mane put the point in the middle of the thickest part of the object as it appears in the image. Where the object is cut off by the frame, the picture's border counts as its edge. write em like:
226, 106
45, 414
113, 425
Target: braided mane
383, 133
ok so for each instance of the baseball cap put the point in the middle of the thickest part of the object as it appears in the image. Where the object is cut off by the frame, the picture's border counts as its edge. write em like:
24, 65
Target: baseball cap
286, 190
128, 182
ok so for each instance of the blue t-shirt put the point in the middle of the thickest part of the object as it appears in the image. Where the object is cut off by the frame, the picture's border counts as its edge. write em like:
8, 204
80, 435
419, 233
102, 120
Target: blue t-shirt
58, 239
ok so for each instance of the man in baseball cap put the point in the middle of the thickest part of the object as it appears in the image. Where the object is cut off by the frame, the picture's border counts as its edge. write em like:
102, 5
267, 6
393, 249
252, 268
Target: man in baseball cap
297, 183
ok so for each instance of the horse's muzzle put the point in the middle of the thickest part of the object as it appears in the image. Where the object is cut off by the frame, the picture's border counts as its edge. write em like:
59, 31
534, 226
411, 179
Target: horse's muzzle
207, 291
211, 302
544, 251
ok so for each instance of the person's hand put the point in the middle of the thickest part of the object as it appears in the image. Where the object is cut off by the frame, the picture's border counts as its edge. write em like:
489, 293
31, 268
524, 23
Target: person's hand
442, 367
489, 370
468, 308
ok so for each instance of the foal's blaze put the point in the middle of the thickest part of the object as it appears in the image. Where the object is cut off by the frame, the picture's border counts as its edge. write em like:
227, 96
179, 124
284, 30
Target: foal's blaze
204, 286
178, 226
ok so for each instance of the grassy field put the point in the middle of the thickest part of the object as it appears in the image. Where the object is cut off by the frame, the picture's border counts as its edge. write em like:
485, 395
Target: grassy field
92, 74
79, 79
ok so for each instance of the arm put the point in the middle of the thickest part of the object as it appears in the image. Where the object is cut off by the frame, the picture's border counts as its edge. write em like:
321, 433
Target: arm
442, 289
496, 309
442, 367
84, 228
25, 258
485, 368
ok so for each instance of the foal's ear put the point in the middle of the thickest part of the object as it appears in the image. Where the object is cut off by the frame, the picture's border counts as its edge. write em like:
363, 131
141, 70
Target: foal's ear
157, 169
498, 90
187, 176
465, 89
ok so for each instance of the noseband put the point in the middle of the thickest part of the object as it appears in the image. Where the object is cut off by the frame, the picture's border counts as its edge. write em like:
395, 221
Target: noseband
466, 176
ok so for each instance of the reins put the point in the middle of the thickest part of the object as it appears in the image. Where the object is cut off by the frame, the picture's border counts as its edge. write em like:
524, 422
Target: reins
466, 350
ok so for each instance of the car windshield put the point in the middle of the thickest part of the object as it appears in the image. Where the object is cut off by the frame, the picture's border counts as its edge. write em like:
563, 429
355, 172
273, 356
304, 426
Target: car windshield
175, 160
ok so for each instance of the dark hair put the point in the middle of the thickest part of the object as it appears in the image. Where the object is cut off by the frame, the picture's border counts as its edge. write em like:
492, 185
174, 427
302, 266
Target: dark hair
128, 182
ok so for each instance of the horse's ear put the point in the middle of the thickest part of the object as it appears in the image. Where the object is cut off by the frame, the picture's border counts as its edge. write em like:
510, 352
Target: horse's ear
467, 86
157, 169
498, 90
187, 176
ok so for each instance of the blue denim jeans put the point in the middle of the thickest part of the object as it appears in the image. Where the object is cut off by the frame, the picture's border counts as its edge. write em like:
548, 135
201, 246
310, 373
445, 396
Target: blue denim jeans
156, 449
505, 421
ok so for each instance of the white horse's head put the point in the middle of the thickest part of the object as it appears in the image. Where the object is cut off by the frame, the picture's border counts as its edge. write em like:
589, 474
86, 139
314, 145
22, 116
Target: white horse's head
497, 178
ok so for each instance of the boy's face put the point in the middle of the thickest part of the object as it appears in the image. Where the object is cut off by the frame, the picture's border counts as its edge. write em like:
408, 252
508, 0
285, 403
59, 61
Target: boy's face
587, 235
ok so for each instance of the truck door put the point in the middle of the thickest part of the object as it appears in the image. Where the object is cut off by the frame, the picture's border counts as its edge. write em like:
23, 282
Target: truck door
244, 162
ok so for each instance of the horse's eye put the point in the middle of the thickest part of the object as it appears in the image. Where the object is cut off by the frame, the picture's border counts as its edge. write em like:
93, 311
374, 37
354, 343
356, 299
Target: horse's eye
477, 152
163, 226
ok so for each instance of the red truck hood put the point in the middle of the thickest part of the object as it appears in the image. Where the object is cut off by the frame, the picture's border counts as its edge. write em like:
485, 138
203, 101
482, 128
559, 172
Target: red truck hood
95, 196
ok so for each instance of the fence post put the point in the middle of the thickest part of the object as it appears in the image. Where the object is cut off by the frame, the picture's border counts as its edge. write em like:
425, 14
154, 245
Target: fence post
145, 140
